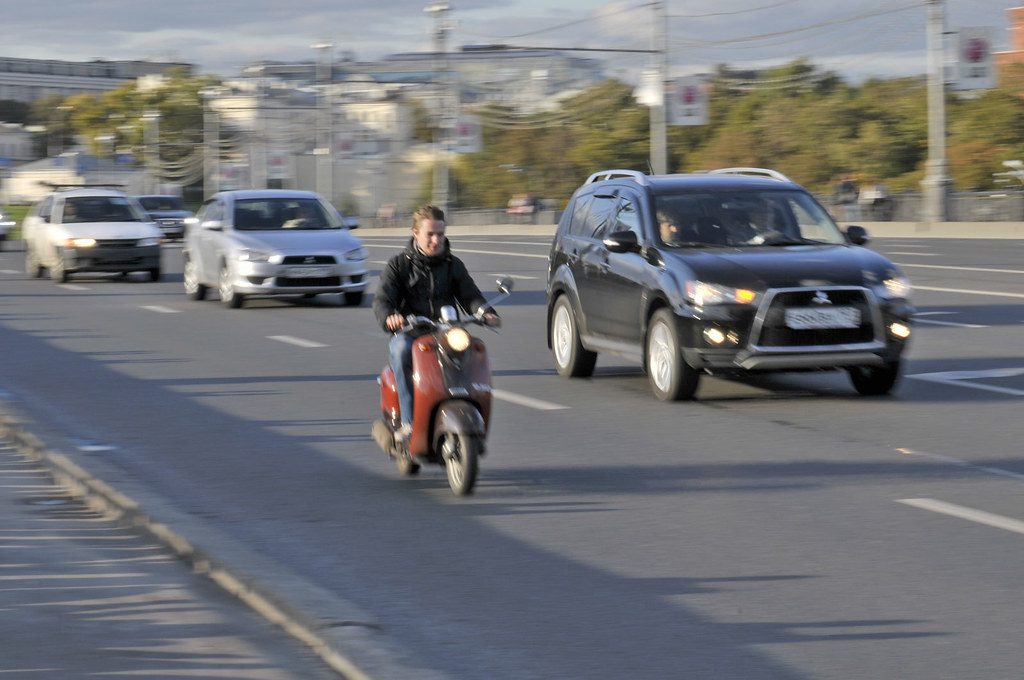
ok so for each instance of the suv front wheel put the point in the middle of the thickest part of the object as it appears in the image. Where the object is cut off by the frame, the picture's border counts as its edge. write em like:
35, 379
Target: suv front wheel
874, 381
571, 359
670, 376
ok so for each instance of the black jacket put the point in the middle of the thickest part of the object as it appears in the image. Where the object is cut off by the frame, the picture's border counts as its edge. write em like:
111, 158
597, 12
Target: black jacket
413, 283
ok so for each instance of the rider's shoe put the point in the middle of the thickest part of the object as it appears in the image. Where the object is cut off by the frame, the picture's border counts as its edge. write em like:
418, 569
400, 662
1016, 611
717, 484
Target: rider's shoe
403, 433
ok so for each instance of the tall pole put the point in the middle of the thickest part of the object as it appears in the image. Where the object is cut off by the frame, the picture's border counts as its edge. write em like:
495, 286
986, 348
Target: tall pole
325, 127
151, 145
659, 135
936, 182
211, 146
443, 85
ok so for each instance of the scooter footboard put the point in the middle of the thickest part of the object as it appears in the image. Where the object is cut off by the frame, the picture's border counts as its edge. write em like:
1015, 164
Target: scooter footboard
458, 417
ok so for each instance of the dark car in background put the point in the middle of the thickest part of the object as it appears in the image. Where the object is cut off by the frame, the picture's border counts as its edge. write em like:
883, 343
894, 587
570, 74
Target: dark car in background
169, 213
733, 271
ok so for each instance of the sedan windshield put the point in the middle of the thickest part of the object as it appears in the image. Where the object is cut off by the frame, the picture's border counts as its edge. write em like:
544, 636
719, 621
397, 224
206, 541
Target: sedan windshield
101, 209
272, 214
743, 219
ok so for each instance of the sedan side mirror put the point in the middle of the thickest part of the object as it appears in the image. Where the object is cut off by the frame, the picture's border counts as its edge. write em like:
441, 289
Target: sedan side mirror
857, 235
213, 225
622, 242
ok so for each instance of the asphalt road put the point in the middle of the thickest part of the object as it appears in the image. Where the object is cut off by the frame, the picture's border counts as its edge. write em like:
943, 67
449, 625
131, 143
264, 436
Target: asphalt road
777, 528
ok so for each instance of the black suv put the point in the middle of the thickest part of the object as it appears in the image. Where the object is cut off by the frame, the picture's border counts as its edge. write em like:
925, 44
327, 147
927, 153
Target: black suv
737, 270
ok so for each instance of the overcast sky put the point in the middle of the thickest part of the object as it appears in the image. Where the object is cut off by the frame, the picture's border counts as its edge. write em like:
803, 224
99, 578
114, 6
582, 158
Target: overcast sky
859, 39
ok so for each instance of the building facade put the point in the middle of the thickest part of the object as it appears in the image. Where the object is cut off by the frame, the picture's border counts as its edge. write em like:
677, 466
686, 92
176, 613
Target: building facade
26, 80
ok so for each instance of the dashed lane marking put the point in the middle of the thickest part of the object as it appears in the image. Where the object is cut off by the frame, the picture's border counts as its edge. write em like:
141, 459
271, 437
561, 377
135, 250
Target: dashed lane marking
529, 402
964, 269
161, 309
965, 378
72, 286
468, 250
898, 252
987, 469
298, 342
954, 324
964, 512
963, 291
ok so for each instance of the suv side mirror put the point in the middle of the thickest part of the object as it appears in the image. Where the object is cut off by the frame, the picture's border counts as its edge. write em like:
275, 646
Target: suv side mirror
622, 242
857, 235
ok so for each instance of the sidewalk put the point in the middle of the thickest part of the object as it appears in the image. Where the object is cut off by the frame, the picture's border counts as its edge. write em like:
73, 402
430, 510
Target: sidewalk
81, 596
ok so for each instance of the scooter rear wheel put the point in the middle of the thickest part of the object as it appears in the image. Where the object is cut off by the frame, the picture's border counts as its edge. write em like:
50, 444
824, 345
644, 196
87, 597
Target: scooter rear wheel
460, 454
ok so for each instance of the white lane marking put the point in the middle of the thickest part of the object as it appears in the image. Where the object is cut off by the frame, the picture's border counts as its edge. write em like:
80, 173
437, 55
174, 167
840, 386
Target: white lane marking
161, 309
379, 261
9, 271
963, 291
963, 512
529, 402
907, 245
954, 324
514, 276
917, 314
898, 252
964, 378
299, 342
999, 472
72, 286
478, 252
965, 269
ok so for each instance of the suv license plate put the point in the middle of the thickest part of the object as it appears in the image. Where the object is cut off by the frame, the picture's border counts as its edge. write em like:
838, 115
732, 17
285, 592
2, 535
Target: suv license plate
801, 318
308, 272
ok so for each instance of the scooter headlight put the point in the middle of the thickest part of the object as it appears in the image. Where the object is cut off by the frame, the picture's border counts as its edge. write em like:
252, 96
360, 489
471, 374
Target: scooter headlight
457, 339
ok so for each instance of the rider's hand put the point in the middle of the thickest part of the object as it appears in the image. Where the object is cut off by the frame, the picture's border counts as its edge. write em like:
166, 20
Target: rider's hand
492, 319
394, 322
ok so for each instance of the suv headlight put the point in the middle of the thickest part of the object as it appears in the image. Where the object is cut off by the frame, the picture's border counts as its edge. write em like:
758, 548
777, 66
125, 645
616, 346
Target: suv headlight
250, 255
355, 254
895, 287
148, 242
702, 294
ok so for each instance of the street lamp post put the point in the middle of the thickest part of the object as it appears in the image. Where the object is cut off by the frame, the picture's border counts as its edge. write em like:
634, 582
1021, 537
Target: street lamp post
151, 143
441, 133
936, 182
211, 142
324, 153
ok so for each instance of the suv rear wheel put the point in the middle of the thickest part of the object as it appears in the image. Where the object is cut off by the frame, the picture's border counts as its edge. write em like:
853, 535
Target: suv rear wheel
670, 376
571, 359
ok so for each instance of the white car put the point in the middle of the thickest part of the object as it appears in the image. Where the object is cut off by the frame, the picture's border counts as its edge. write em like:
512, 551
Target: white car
90, 229
270, 242
6, 224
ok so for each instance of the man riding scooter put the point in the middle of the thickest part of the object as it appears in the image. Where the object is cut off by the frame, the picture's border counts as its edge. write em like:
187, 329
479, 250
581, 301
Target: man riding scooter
420, 281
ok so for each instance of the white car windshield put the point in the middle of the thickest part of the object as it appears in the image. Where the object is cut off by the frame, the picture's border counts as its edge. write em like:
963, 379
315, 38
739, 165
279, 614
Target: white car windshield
272, 214
101, 209
743, 219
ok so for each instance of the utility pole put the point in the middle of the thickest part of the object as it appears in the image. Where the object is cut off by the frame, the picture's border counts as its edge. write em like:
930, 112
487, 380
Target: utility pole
325, 125
442, 132
936, 182
211, 144
151, 144
659, 135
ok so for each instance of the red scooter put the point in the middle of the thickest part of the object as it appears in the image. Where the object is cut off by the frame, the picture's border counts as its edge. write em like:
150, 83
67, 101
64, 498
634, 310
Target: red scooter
451, 379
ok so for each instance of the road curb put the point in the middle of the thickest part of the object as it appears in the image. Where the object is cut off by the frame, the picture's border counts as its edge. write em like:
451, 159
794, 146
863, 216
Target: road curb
101, 497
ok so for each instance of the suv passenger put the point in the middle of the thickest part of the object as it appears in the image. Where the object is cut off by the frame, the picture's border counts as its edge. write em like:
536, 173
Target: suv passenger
737, 270
90, 229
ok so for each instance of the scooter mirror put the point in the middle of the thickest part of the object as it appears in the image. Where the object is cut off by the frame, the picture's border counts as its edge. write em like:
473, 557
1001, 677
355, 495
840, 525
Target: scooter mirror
505, 285
449, 314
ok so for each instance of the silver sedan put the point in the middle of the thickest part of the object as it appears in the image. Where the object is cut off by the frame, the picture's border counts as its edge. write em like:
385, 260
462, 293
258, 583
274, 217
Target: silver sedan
272, 242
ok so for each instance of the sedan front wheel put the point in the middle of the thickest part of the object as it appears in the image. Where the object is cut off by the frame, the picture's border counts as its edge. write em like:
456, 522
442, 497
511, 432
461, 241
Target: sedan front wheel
228, 296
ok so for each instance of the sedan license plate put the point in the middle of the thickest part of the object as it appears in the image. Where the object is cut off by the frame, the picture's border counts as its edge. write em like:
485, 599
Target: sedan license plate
802, 318
308, 272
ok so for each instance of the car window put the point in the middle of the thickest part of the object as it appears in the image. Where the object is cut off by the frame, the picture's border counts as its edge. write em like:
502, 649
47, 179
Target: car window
161, 202
601, 217
580, 212
44, 208
628, 218
100, 209
272, 214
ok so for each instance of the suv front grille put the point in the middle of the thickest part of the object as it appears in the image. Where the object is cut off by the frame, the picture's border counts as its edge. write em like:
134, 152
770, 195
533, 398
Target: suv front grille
775, 333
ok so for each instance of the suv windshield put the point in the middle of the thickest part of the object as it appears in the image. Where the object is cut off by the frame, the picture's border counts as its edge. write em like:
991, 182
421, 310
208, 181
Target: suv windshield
740, 219
271, 214
154, 203
100, 209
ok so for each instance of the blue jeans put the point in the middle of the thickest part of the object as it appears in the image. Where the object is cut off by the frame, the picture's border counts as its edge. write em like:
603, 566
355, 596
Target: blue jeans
400, 356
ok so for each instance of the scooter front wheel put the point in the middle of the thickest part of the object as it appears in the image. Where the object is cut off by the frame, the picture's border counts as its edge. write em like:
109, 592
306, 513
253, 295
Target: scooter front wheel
460, 454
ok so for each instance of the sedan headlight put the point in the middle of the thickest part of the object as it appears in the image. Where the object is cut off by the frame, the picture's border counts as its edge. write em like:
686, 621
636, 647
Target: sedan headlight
190, 220
701, 294
80, 242
148, 242
356, 254
895, 287
457, 338
249, 255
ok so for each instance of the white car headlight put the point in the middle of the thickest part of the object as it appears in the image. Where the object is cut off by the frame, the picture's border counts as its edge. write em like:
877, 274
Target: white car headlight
895, 287
190, 220
80, 242
701, 294
356, 254
249, 255
148, 242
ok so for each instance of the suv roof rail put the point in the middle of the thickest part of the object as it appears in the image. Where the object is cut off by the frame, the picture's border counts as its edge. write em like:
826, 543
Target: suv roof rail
758, 172
636, 175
